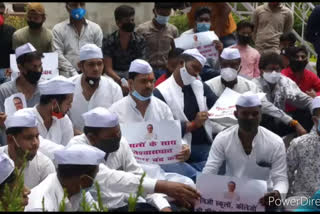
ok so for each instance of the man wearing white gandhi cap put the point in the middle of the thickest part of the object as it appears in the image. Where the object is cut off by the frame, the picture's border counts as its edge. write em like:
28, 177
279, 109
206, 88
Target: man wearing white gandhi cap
251, 151
189, 100
8, 177
77, 167
301, 174
55, 101
91, 88
102, 131
23, 136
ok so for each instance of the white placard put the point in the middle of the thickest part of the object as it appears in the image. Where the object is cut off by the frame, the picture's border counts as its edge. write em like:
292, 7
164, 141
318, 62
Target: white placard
225, 193
49, 64
154, 142
202, 41
14, 103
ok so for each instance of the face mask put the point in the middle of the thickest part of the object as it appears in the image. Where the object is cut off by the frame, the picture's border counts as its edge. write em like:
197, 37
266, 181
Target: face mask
109, 145
88, 189
92, 81
162, 20
228, 74
187, 79
78, 13
139, 96
186, 10
271, 77
248, 125
58, 115
20, 152
1, 20
34, 25
128, 27
298, 66
202, 27
32, 76
244, 39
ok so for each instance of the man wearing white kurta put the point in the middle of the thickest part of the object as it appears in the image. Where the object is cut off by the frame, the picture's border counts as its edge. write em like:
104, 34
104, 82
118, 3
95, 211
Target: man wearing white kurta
230, 61
22, 136
55, 101
77, 167
118, 153
92, 90
250, 151
140, 106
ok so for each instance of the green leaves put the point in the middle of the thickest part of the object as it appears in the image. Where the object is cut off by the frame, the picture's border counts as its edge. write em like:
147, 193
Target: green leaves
133, 200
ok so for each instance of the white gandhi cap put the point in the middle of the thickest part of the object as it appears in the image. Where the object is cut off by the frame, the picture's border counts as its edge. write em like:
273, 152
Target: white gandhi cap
79, 154
248, 99
56, 85
230, 53
90, 51
100, 117
316, 103
22, 118
6, 167
196, 54
24, 49
140, 66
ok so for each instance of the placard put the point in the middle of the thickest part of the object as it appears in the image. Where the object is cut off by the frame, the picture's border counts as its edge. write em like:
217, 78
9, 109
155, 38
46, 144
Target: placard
14, 103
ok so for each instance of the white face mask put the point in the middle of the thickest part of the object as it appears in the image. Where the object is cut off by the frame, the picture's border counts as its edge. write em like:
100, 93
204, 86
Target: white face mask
229, 74
271, 77
187, 79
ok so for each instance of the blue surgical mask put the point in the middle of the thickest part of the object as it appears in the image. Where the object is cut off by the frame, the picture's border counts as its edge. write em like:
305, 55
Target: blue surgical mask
139, 96
203, 26
78, 13
163, 20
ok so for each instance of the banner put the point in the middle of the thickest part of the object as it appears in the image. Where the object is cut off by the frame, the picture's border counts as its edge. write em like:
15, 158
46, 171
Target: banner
202, 41
49, 64
225, 193
154, 142
14, 103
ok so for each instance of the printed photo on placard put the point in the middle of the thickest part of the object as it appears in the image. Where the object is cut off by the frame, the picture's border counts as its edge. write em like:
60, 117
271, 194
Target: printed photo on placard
14, 103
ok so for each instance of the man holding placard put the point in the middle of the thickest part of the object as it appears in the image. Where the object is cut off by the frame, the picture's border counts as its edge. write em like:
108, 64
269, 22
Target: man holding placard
250, 150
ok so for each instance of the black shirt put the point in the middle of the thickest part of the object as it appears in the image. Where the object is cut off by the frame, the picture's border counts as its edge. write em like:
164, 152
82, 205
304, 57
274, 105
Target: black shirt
6, 32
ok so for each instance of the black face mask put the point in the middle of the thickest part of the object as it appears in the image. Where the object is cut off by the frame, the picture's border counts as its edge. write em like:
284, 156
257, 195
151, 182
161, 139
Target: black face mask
92, 81
248, 125
298, 66
32, 76
34, 25
244, 39
128, 27
229, 84
109, 145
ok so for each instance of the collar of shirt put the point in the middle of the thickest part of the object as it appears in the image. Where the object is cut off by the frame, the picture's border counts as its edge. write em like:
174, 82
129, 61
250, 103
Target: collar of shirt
71, 21
133, 104
39, 117
269, 9
133, 36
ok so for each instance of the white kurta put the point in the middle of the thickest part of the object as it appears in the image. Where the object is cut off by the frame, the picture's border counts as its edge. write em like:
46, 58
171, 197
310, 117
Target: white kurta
60, 132
36, 170
52, 192
267, 148
123, 159
47, 147
105, 95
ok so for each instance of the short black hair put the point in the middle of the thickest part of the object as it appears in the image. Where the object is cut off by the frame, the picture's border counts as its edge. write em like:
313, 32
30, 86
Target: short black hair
202, 10
289, 36
175, 53
70, 170
187, 57
45, 99
292, 51
29, 57
133, 75
15, 130
10, 179
17, 98
232, 182
150, 125
268, 58
163, 5
243, 24
316, 112
123, 11
93, 130
2, 5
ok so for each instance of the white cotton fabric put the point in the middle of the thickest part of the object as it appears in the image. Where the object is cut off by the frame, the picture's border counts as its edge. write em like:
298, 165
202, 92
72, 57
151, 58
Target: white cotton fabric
56, 85
24, 49
140, 66
230, 53
21, 118
196, 54
90, 51
100, 117
7, 167
248, 99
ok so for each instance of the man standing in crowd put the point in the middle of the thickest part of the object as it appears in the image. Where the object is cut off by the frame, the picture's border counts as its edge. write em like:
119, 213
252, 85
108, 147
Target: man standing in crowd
159, 36
70, 35
271, 20
6, 32
250, 150
122, 46
92, 89
39, 36
23, 139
